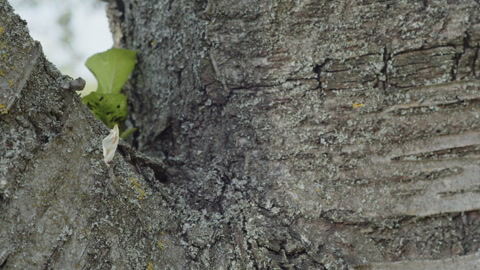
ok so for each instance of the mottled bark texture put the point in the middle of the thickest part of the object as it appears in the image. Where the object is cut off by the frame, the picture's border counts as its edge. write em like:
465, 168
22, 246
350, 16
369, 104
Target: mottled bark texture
280, 134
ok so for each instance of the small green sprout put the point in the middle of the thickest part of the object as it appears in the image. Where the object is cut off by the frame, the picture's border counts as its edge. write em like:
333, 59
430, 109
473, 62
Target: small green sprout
111, 69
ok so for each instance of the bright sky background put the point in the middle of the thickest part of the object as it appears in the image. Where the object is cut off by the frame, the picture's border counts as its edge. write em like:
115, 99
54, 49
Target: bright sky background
86, 32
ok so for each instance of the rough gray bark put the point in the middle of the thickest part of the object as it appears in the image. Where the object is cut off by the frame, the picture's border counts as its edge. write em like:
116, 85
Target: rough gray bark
281, 135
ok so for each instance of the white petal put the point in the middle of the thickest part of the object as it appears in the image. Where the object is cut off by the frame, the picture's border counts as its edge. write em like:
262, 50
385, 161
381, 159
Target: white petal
109, 145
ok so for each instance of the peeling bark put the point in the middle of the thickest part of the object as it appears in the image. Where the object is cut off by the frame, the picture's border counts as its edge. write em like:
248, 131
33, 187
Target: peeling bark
277, 135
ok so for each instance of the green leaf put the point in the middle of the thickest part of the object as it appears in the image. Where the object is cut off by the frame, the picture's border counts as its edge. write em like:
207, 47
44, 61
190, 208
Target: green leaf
111, 69
128, 132
111, 109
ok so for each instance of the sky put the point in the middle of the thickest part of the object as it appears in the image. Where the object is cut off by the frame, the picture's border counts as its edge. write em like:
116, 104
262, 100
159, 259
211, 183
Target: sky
70, 31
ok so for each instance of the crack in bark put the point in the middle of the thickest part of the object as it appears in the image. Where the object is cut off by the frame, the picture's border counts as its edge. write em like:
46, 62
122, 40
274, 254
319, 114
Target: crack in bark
457, 57
474, 62
384, 70
318, 70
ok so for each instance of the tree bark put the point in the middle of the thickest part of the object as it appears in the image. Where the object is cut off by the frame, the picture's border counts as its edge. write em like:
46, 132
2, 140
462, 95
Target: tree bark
276, 135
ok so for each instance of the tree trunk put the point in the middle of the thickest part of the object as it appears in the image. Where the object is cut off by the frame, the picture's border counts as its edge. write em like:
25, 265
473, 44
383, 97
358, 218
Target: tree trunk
280, 135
